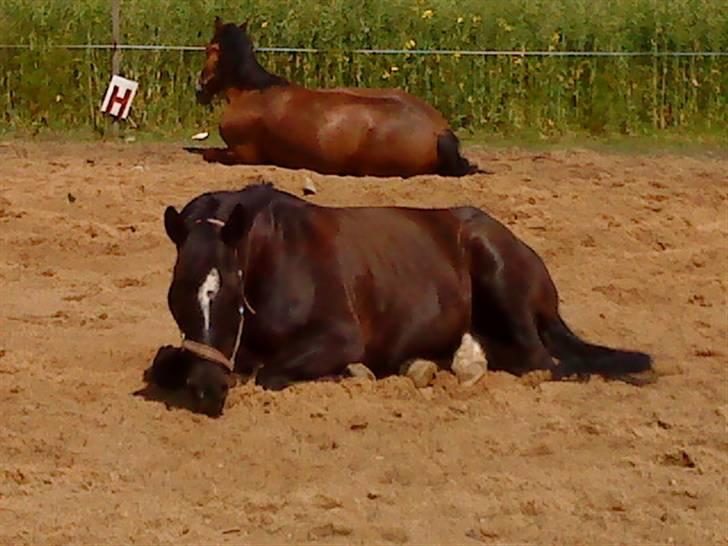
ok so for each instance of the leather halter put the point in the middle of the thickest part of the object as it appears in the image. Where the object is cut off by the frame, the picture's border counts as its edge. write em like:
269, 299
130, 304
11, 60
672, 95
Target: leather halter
209, 352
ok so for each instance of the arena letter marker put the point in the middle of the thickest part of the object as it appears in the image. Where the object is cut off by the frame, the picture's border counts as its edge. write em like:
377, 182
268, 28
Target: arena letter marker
119, 97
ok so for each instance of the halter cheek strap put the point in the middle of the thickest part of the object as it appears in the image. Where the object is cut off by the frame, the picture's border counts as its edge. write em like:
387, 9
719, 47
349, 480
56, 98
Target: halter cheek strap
213, 221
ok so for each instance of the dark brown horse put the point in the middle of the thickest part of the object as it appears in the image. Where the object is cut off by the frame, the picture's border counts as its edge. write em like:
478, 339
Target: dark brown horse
264, 277
269, 120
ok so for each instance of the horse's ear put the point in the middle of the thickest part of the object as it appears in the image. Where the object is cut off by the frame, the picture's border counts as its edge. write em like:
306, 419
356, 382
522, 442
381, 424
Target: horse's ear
236, 226
218, 24
175, 226
244, 26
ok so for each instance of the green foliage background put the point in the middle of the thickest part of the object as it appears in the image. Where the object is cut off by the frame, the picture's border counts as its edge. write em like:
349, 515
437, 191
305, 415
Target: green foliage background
59, 88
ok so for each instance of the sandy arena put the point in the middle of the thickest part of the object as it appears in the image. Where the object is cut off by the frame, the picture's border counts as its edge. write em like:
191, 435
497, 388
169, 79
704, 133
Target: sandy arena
636, 245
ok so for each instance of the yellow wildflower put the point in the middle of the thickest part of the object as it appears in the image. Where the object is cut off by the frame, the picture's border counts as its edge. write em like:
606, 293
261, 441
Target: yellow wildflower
504, 25
427, 14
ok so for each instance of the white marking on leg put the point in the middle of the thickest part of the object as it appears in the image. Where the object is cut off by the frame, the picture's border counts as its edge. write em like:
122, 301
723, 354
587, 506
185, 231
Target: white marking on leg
469, 362
206, 293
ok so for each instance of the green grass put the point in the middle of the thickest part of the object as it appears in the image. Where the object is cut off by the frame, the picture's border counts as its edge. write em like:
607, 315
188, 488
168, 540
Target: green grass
50, 89
713, 145
700, 144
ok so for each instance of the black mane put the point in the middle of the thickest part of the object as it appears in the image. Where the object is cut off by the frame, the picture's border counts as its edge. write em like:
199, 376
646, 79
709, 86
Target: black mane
238, 62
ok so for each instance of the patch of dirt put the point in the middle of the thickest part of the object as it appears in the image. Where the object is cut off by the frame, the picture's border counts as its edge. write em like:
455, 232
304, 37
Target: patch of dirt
636, 245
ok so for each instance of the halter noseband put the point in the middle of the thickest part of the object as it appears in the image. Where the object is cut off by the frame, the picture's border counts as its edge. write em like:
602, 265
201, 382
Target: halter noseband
209, 352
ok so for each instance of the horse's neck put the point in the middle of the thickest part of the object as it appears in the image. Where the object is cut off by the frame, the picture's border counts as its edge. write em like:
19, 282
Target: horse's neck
253, 77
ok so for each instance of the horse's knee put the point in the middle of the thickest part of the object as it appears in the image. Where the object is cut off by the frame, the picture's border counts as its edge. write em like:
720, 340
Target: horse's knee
213, 155
272, 379
245, 363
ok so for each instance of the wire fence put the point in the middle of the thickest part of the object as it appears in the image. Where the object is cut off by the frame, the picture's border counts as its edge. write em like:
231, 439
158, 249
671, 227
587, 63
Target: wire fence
445, 52
59, 79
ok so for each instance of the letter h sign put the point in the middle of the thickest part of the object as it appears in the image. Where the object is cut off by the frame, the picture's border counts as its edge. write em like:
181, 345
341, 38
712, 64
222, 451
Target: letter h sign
119, 95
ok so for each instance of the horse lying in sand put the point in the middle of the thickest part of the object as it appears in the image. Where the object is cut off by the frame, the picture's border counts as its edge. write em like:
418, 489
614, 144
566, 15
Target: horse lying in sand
347, 131
264, 277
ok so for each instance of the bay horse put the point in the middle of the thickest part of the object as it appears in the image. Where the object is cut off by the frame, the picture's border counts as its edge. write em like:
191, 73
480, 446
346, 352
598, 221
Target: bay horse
269, 120
264, 277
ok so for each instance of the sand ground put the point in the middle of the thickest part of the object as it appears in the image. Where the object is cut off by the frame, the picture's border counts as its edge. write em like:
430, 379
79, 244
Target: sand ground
635, 243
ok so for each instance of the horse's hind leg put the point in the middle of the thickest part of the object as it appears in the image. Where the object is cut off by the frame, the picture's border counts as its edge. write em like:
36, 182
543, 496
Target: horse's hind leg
521, 354
510, 334
517, 358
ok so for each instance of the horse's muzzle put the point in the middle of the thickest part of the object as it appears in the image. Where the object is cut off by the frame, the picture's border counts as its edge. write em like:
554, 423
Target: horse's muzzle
212, 407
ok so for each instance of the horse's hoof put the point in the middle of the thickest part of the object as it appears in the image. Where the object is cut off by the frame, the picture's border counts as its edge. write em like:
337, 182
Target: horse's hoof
469, 363
470, 376
421, 372
360, 371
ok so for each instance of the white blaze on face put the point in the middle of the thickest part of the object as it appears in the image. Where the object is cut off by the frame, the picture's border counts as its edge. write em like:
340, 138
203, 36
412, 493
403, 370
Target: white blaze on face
206, 293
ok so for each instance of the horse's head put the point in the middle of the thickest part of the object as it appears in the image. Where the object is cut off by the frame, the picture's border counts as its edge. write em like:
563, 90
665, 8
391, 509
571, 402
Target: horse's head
207, 382
206, 295
226, 56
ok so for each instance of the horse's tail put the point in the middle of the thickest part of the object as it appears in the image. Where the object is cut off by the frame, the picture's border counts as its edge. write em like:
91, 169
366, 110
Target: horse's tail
576, 356
451, 162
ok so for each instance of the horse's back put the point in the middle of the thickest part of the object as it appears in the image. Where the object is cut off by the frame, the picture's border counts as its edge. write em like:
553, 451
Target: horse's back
398, 96
347, 131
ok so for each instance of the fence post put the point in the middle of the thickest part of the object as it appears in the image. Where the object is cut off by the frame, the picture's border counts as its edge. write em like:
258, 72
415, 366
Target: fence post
116, 52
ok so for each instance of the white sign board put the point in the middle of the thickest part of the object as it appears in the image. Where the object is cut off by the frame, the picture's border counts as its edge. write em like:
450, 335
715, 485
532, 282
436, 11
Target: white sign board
119, 96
